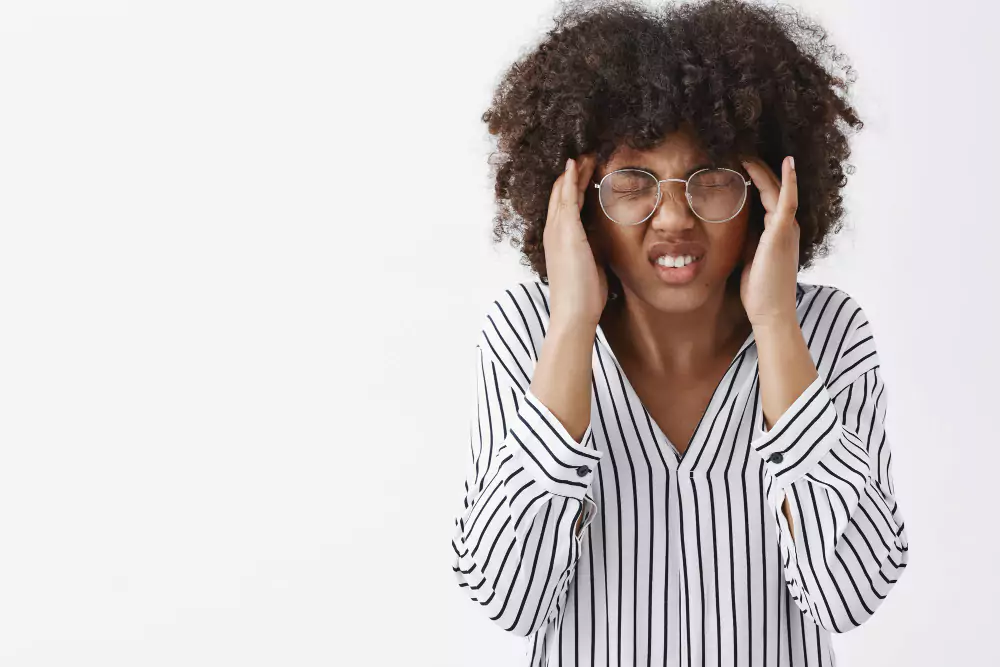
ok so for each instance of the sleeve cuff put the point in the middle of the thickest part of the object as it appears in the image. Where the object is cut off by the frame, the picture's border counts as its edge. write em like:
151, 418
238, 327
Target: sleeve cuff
802, 436
557, 462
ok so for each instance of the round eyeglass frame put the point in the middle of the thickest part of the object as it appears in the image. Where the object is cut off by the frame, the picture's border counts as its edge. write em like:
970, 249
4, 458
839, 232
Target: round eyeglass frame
687, 195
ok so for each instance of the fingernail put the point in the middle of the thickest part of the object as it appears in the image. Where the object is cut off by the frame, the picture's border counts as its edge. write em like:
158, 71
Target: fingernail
568, 161
791, 162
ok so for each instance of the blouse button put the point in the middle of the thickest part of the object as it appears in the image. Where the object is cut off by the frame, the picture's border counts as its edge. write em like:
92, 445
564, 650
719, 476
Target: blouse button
775, 458
582, 471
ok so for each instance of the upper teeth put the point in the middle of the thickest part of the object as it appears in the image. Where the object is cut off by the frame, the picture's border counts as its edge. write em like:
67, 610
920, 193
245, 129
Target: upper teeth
683, 260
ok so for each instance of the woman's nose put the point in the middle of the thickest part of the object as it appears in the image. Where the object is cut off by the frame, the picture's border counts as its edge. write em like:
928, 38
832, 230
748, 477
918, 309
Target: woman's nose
673, 212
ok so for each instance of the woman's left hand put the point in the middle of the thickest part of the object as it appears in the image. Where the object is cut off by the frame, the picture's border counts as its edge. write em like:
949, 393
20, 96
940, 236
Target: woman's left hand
768, 281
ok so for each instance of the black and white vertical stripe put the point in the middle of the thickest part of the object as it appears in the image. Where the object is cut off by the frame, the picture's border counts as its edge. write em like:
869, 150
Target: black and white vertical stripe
684, 560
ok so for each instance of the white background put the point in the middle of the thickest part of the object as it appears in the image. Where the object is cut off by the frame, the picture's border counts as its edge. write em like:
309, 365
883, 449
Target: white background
237, 330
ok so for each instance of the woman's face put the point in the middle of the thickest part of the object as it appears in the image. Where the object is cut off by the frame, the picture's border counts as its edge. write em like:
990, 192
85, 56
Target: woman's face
673, 229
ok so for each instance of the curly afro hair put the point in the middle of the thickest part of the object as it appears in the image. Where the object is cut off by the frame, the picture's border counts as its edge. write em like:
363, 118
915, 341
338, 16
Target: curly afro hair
747, 78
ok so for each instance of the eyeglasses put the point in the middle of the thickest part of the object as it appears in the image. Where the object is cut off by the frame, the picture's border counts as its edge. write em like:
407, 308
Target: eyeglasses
630, 196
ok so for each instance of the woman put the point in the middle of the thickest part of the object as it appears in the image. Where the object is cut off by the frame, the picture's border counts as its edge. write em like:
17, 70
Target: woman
678, 453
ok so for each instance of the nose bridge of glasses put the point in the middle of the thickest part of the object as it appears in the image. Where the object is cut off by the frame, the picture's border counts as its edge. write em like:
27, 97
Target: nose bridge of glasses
681, 209
670, 180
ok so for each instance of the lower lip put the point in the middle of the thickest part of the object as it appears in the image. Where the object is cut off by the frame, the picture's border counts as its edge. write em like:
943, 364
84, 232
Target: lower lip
679, 275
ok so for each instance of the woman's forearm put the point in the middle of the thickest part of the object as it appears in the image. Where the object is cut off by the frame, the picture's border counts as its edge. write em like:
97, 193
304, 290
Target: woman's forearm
786, 370
562, 376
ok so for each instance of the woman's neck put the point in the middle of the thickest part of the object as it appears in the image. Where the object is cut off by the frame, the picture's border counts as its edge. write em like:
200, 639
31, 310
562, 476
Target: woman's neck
682, 343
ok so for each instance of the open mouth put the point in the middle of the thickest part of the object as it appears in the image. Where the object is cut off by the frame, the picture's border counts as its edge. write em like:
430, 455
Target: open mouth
679, 262
678, 270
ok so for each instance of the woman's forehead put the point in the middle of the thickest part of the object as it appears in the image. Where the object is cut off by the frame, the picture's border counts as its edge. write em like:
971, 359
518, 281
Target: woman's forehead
664, 159
677, 149
677, 153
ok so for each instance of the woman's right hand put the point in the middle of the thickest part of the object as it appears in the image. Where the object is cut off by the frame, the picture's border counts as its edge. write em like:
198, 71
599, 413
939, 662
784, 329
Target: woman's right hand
578, 285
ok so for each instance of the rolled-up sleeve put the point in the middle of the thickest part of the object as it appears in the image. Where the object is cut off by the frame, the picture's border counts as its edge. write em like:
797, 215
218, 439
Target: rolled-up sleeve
829, 455
516, 543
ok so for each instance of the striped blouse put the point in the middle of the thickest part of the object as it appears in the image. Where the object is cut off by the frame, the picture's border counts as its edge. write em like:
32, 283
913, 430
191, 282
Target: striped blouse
683, 559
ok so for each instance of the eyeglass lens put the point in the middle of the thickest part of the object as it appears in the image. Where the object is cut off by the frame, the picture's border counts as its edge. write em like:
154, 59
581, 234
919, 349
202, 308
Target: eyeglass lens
629, 196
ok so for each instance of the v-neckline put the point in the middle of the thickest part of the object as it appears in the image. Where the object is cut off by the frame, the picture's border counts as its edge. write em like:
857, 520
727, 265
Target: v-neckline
679, 456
